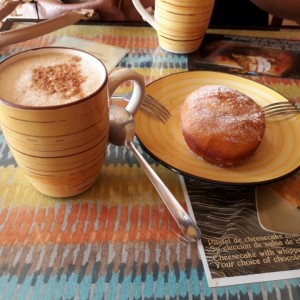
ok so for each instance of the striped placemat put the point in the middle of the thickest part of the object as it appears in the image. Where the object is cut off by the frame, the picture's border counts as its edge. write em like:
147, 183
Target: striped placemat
117, 240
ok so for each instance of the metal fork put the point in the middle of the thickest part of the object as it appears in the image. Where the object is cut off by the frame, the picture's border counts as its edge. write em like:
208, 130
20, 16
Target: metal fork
153, 107
159, 111
281, 108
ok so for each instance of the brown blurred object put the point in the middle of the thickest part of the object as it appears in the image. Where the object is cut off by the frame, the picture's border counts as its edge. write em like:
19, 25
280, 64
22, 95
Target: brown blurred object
289, 189
118, 10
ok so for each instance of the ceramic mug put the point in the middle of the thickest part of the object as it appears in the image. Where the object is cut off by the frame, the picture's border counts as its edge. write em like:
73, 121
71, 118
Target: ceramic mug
180, 24
54, 114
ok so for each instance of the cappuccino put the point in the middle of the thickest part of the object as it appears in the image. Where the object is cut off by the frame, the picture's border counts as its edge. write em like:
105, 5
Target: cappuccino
53, 78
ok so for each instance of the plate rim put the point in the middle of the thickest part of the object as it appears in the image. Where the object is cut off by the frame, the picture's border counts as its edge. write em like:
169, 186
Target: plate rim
184, 173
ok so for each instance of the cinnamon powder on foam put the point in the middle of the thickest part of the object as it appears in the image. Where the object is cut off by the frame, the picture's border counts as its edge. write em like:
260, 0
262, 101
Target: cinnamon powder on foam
64, 79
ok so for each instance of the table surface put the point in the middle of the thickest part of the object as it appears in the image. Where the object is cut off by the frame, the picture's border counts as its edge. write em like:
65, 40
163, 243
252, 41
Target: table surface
117, 240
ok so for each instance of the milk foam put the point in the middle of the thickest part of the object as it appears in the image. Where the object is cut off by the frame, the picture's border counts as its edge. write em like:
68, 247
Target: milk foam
49, 79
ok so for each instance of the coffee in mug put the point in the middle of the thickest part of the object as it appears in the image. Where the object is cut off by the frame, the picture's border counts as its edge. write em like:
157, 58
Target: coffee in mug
54, 114
49, 79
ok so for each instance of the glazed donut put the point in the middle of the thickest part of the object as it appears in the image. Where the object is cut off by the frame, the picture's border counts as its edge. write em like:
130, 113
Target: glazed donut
221, 125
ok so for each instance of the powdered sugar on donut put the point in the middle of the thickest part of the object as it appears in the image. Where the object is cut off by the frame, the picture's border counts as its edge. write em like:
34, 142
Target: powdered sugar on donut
221, 125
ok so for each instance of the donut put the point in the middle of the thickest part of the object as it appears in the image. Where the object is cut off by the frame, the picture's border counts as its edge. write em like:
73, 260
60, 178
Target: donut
221, 125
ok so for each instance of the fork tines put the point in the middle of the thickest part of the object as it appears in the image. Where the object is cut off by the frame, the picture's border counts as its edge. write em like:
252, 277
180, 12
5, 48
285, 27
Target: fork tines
280, 108
154, 107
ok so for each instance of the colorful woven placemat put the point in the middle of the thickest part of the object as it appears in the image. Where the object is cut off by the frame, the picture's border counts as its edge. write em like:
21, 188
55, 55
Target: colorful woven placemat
117, 240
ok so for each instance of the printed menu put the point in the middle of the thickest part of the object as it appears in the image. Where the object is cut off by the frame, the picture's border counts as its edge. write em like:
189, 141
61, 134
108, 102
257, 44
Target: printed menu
235, 248
108, 54
247, 55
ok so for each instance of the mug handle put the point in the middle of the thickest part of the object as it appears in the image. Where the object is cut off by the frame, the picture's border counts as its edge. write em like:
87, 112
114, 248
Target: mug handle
118, 77
144, 13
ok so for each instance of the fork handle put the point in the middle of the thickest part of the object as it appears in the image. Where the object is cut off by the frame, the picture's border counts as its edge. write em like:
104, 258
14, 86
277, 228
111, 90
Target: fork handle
184, 221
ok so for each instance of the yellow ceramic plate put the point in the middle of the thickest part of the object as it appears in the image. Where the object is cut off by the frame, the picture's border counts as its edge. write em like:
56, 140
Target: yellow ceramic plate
278, 154
276, 214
